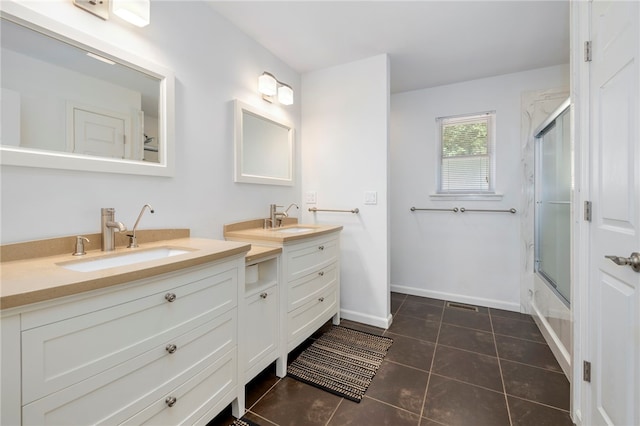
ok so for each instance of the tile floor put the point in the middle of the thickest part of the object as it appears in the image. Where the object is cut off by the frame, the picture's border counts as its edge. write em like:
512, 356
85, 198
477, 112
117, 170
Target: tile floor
447, 366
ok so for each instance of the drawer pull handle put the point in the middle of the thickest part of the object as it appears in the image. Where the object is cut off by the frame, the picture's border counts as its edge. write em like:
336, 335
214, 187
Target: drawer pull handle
321, 273
171, 401
171, 348
321, 247
170, 297
321, 299
263, 295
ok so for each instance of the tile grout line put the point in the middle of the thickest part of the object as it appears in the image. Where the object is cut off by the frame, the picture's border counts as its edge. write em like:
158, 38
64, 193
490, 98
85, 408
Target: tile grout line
433, 360
391, 405
504, 388
264, 394
540, 403
262, 417
334, 411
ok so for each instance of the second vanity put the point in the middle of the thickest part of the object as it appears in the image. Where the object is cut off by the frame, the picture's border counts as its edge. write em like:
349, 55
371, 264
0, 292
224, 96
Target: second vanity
309, 270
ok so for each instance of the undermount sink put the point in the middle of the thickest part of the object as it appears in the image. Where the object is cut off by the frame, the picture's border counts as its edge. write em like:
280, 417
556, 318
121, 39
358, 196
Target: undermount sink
293, 230
97, 264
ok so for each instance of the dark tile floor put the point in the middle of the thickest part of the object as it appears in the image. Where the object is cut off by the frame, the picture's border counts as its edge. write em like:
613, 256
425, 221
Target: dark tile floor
447, 366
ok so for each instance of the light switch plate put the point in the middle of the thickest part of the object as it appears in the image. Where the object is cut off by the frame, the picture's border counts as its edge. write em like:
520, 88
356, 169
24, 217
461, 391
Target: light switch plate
310, 197
370, 197
99, 8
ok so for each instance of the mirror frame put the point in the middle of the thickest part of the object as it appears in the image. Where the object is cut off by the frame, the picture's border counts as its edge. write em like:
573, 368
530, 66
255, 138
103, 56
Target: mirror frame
15, 156
240, 176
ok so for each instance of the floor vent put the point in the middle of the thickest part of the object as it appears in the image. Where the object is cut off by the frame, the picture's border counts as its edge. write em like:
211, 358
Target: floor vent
462, 306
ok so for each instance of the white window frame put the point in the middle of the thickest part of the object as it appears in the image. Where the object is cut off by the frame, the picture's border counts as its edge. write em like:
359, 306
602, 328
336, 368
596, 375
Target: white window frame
490, 116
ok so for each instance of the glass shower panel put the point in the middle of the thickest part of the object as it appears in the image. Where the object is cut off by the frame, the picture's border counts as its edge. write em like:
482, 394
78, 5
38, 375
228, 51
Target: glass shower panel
553, 205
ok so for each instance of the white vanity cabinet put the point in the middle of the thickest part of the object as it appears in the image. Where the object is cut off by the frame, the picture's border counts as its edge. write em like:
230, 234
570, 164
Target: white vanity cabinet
308, 289
311, 274
261, 325
161, 350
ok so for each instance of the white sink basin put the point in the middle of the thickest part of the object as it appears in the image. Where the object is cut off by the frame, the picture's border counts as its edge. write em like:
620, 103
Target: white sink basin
293, 230
98, 264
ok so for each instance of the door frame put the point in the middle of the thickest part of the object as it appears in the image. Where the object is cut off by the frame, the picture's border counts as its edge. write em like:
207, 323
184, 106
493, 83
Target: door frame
580, 17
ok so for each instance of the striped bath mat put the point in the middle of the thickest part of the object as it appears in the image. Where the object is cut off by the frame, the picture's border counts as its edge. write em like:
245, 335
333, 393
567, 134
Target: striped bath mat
342, 361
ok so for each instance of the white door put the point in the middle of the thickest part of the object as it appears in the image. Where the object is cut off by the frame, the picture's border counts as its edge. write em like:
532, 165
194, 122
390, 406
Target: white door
98, 134
614, 291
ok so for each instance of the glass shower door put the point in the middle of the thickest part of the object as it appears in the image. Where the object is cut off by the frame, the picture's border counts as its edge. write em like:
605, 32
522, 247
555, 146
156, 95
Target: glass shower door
553, 205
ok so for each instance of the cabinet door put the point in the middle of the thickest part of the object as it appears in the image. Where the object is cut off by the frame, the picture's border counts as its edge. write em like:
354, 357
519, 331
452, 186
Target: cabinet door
308, 318
261, 331
67, 352
306, 258
120, 392
208, 392
311, 286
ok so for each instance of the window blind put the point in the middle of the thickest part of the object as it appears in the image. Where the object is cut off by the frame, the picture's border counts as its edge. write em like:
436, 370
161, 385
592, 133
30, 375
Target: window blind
466, 154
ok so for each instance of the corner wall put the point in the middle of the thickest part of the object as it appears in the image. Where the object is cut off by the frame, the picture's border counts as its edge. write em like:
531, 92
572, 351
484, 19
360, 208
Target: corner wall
344, 154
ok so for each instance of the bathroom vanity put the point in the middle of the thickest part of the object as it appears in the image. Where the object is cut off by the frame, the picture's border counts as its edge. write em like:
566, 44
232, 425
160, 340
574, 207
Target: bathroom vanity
156, 341
310, 277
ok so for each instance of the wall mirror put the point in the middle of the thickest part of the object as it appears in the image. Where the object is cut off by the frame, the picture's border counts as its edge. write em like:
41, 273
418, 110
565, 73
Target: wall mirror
73, 102
263, 147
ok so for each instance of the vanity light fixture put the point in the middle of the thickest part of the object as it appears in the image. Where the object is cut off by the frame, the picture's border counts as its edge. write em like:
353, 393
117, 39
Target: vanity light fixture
285, 94
136, 12
99, 8
270, 88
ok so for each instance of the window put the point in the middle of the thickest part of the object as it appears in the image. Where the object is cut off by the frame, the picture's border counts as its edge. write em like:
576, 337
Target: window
466, 147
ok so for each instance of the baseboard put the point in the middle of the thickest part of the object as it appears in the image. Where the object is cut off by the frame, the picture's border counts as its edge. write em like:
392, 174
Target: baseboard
553, 341
371, 320
470, 300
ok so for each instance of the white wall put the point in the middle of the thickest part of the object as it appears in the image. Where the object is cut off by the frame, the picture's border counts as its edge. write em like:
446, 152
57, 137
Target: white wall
213, 63
466, 257
344, 153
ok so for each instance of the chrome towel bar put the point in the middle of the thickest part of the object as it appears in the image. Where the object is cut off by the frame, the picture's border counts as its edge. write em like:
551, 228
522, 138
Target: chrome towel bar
462, 210
512, 210
455, 210
315, 209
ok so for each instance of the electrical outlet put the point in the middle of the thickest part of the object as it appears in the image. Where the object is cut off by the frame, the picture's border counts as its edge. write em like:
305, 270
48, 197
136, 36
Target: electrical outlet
310, 197
370, 197
99, 8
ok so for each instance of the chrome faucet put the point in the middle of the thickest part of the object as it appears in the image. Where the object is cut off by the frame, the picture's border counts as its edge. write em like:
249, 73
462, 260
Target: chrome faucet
109, 226
133, 242
275, 217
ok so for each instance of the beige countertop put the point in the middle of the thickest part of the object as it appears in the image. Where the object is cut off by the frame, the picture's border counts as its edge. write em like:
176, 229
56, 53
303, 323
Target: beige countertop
253, 231
258, 252
34, 280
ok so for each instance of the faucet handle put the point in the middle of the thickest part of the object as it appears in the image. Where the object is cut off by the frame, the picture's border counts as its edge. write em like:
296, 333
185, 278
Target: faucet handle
80, 240
133, 241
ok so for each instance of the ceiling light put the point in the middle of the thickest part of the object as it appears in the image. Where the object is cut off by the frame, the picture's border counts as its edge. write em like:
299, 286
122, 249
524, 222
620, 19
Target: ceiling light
136, 12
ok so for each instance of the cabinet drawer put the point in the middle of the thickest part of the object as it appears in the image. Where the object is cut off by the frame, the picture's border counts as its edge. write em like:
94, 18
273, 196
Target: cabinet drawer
206, 393
119, 393
310, 257
261, 331
311, 286
66, 352
305, 320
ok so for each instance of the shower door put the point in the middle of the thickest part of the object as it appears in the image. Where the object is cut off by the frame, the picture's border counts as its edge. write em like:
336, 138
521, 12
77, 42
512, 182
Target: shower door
553, 203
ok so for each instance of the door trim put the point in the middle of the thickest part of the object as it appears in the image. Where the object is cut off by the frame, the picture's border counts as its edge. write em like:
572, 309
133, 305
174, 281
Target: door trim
580, 16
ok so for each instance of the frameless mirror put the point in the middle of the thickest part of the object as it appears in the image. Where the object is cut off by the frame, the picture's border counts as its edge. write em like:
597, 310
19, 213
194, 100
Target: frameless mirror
73, 102
263, 147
